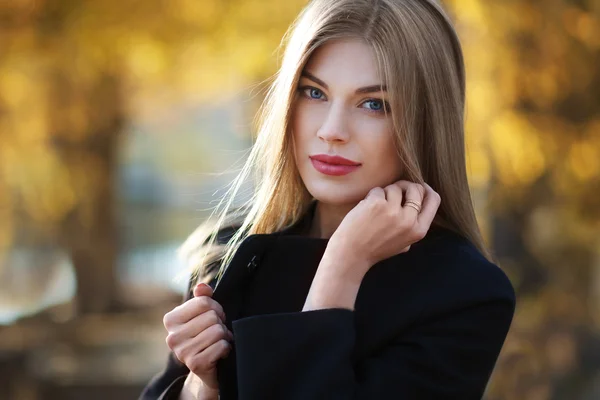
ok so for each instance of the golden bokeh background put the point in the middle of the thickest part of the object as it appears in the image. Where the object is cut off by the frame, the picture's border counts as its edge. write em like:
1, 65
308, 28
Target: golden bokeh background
122, 121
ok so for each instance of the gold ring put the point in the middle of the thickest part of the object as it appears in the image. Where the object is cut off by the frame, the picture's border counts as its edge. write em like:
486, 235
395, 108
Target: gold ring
416, 203
413, 205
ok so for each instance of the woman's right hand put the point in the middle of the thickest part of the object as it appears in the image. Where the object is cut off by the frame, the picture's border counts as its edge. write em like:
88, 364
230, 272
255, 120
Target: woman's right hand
198, 336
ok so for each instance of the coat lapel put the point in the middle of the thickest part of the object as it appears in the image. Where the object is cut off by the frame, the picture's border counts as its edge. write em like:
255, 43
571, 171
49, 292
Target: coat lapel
231, 289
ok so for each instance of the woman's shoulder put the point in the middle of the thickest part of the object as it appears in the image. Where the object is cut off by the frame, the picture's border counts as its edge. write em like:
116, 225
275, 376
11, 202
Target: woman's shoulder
443, 278
455, 262
448, 270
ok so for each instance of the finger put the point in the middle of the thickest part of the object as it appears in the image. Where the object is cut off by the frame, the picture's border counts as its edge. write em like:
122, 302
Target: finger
406, 184
218, 350
206, 360
203, 340
199, 324
413, 199
202, 289
414, 193
205, 303
180, 338
431, 203
393, 194
376, 192
192, 308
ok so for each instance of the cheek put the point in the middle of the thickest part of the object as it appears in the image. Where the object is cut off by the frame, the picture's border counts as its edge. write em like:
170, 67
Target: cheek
299, 132
304, 124
305, 120
381, 153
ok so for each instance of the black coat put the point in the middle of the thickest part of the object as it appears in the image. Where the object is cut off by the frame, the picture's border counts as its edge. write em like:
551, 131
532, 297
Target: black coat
428, 324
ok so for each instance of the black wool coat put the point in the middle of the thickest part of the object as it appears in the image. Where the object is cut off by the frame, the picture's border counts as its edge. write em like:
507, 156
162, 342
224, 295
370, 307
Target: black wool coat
428, 324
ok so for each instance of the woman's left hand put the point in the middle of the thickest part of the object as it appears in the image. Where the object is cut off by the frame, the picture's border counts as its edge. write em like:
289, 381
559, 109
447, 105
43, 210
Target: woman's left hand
387, 222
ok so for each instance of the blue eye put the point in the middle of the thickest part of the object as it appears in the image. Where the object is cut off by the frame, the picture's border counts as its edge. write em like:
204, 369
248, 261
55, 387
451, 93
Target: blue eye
314, 93
377, 105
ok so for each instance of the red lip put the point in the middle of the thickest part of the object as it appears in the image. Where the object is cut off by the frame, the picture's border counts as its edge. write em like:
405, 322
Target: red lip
333, 165
334, 160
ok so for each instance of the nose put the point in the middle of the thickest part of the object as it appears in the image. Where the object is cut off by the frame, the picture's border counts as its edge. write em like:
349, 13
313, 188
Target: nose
334, 127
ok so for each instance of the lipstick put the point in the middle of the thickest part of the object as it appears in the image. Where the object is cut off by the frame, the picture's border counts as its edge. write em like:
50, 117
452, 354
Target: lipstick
333, 165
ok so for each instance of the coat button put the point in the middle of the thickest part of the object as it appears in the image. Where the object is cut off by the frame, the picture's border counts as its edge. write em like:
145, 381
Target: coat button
253, 264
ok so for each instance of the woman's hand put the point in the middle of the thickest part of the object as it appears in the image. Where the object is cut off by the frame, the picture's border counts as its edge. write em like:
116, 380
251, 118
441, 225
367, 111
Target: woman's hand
387, 222
198, 337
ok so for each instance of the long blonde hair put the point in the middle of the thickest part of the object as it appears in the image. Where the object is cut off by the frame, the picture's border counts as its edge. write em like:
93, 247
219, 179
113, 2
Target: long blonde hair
420, 60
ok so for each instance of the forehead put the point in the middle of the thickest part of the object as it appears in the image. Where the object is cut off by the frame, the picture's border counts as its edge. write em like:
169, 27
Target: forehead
345, 62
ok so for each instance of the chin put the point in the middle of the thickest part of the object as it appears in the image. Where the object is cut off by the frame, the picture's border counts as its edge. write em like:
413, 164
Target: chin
335, 193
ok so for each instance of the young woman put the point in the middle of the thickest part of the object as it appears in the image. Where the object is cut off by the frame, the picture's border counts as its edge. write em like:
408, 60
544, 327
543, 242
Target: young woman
357, 270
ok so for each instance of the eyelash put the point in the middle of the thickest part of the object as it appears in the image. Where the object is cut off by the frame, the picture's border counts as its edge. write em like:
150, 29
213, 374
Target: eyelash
385, 105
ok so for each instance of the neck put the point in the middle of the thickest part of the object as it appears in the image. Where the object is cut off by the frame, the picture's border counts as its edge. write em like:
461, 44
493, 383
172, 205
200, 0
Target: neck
327, 218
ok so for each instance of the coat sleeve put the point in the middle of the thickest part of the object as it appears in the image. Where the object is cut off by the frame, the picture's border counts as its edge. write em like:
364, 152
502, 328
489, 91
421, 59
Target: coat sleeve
309, 355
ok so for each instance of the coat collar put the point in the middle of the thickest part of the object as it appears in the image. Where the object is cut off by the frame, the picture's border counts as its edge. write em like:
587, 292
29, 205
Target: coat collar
229, 292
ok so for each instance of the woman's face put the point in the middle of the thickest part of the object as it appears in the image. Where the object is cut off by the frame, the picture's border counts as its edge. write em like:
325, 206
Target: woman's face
340, 111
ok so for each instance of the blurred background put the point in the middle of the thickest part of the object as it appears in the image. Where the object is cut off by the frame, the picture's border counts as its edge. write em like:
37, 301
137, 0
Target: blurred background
121, 123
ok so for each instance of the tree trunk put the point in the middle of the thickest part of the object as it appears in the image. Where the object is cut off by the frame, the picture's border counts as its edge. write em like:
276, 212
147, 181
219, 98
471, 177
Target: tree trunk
90, 232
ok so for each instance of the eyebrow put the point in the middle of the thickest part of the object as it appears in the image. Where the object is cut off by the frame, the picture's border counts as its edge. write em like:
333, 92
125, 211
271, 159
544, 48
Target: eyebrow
362, 90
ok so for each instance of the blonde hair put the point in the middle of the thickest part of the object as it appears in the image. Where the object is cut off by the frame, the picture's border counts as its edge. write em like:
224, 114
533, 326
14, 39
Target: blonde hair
421, 63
